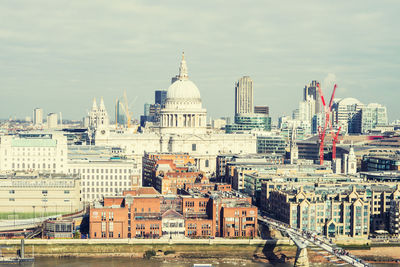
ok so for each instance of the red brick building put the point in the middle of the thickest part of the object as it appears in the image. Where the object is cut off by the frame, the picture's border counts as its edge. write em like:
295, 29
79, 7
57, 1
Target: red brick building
144, 213
168, 173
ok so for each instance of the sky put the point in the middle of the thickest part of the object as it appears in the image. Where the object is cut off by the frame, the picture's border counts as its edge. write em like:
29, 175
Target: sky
59, 55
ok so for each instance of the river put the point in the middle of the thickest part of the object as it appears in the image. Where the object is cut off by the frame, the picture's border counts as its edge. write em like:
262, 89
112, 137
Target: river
121, 262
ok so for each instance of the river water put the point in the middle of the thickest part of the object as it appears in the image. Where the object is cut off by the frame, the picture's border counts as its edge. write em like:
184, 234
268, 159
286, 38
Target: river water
121, 262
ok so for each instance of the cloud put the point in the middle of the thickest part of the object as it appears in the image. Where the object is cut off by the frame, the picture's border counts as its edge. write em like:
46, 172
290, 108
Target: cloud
52, 49
329, 81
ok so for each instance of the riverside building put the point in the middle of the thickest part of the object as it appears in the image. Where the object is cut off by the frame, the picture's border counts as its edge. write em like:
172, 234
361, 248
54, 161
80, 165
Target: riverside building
39, 194
334, 214
144, 213
284, 194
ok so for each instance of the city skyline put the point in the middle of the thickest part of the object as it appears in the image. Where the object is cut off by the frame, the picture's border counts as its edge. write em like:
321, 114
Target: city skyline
69, 58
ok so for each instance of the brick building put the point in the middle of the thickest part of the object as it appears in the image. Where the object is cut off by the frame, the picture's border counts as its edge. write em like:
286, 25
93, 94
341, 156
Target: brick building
144, 213
168, 173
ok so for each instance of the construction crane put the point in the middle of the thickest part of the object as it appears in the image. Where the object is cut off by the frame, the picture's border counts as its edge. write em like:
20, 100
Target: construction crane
125, 107
328, 123
334, 141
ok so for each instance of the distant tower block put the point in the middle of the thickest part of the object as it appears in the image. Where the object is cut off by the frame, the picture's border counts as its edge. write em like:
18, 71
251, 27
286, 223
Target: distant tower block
38, 116
52, 120
244, 95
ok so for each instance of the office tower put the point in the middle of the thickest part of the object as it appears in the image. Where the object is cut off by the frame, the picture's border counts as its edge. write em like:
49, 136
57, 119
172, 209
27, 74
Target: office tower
120, 116
160, 97
262, 110
307, 110
373, 115
244, 95
52, 120
38, 116
311, 91
346, 114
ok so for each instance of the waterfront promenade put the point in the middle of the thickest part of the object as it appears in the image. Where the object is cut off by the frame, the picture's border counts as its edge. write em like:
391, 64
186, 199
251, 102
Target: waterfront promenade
133, 241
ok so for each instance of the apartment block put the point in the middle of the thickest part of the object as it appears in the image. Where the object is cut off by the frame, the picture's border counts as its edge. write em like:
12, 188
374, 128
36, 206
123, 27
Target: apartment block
394, 217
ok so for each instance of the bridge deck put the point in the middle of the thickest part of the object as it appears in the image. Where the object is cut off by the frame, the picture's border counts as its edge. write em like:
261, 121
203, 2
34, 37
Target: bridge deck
301, 239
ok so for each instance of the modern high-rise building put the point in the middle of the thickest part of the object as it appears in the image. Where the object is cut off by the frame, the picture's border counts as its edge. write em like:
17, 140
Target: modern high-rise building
262, 110
346, 114
38, 116
311, 91
244, 95
160, 97
52, 120
120, 116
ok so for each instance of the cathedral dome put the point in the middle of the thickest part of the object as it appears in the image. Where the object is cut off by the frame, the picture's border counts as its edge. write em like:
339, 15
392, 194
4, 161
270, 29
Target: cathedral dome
183, 88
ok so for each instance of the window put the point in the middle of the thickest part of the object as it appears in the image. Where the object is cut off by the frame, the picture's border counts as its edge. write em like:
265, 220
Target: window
44, 192
12, 191
194, 147
11, 199
66, 192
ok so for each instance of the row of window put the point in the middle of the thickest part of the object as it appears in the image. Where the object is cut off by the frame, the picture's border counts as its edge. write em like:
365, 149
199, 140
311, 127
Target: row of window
102, 190
96, 170
43, 200
106, 183
33, 166
101, 177
34, 159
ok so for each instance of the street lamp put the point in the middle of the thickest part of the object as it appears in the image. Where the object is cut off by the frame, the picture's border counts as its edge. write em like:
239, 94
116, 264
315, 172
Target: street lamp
34, 214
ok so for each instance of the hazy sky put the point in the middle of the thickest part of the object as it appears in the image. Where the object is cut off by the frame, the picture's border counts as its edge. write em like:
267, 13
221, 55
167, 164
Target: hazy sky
58, 55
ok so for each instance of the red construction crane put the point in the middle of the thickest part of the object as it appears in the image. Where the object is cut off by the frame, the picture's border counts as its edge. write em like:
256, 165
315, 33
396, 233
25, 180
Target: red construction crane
334, 141
327, 124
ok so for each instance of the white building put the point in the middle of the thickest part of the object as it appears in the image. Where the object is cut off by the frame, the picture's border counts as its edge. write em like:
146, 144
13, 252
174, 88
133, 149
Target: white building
38, 116
103, 171
44, 152
52, 120
42, 194
183, 129
105, 177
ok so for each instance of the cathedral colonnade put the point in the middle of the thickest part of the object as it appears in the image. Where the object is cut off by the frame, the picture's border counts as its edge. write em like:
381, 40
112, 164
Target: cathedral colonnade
183, 120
